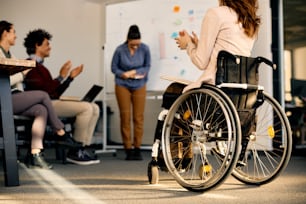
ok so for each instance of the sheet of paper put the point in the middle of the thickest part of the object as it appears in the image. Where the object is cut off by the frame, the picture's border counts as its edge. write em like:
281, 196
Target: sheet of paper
175, 79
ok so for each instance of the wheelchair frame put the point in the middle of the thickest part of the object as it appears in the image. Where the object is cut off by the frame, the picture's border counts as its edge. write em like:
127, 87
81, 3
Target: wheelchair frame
233, 128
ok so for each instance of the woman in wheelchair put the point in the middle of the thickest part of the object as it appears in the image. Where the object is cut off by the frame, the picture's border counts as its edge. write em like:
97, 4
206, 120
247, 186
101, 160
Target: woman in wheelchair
232, 26
224, 123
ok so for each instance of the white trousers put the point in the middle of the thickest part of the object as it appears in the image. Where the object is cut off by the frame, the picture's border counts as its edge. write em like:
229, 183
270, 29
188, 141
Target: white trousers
87, 115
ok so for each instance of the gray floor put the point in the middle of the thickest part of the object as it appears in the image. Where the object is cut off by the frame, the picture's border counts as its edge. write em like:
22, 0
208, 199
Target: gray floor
115, 180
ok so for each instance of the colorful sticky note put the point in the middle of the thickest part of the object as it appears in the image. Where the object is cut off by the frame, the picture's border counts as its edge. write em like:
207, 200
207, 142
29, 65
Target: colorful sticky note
176, 9
174, 35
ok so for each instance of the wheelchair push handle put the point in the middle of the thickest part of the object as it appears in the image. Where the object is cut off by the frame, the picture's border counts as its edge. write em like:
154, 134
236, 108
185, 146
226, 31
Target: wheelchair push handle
266, 61
236, 58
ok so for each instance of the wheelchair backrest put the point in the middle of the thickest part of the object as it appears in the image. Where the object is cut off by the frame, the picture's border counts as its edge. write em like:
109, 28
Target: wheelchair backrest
238, 69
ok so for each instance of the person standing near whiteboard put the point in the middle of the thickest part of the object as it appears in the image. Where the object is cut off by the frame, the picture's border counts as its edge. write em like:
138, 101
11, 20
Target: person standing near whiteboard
130, 64
232, 26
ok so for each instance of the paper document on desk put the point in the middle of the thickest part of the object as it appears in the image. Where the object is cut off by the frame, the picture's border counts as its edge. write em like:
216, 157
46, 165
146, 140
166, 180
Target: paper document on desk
18, 62
175, 79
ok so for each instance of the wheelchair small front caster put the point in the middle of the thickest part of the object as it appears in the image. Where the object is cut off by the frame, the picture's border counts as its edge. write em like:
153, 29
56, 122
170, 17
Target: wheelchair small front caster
153, 174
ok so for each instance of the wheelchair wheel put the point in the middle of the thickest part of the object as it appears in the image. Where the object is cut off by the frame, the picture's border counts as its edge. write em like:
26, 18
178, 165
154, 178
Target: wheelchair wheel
199, 125
269, 147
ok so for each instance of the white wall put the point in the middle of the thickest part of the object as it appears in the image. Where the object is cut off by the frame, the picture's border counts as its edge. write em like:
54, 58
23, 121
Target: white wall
288, 74
76, 29
262, 46
299, 63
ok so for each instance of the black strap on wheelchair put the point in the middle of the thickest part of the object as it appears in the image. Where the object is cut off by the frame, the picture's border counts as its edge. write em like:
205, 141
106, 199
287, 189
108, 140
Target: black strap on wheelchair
259, 100
222, 60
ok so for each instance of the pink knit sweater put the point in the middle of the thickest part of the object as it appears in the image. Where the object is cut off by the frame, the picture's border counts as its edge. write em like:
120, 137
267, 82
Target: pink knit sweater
219, 31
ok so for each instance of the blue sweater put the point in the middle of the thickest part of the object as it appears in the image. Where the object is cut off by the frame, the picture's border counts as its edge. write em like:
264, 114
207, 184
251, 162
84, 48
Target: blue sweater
123, 61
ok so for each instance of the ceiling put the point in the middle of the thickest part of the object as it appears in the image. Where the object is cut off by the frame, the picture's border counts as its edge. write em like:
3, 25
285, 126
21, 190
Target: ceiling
294, 23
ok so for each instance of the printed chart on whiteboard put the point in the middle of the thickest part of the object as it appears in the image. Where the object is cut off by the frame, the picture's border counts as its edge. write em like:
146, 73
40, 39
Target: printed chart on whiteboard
159, 22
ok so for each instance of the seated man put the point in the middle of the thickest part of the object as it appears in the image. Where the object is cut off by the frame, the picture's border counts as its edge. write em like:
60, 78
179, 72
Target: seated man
38, 48
34, 104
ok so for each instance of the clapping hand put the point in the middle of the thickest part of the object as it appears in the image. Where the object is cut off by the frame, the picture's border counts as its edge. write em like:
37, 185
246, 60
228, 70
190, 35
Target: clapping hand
76, 71
184, 38
65, 69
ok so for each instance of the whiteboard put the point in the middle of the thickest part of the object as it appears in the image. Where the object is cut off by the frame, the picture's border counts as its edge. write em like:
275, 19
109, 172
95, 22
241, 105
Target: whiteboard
159, 22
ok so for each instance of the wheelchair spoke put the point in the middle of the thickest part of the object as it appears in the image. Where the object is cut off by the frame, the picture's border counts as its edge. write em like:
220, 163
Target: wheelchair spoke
270, 146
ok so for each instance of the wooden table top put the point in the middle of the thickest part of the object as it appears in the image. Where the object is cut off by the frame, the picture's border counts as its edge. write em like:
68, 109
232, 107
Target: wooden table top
13, 66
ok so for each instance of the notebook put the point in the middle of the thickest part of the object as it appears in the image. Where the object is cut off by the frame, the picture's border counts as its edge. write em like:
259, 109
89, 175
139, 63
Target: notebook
89, 96
174, 79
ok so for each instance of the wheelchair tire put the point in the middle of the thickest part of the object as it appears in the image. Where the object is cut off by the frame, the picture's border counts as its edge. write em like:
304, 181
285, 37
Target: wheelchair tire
198, 122
269, 148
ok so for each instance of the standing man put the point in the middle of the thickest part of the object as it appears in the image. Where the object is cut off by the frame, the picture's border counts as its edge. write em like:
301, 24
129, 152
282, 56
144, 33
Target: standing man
37, 44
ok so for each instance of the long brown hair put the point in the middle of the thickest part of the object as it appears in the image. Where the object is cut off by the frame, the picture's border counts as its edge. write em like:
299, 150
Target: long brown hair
246, 10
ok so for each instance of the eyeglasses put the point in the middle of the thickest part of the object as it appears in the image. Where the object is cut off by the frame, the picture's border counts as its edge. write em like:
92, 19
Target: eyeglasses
134, 44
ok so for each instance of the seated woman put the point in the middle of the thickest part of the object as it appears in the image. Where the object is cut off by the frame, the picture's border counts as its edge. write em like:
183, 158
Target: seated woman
35, 104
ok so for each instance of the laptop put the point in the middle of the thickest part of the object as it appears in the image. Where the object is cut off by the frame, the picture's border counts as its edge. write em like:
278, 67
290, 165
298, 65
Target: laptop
89, 96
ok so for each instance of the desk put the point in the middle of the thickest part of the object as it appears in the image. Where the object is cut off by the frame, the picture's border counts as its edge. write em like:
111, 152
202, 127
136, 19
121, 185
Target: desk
7, 131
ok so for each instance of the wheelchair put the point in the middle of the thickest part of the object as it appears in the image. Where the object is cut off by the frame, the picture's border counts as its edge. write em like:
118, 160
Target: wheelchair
233, 128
